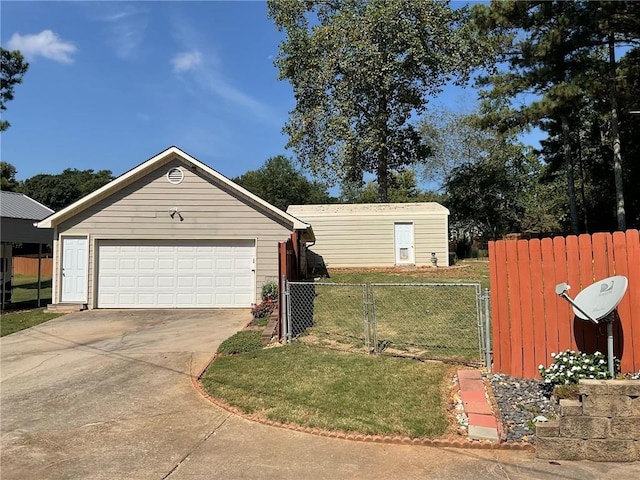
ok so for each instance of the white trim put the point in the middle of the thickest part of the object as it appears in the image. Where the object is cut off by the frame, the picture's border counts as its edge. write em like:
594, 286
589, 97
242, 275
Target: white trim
446, 242
181, 173
130, 176
412, 257
97, 241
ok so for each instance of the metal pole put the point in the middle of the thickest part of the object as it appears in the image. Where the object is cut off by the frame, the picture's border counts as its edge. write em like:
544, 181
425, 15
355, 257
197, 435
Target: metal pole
367, 328
39, 271
289, 322
480, 325
570, 300
373, 321
610, 347
487, 329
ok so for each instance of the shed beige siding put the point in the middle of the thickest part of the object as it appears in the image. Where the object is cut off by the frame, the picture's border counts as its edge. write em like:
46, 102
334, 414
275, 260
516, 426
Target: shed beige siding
364, 236
209, 210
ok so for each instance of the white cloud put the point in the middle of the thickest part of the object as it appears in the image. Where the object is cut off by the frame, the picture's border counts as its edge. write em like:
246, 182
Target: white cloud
45, 43
125, 30
186, 61
208, 75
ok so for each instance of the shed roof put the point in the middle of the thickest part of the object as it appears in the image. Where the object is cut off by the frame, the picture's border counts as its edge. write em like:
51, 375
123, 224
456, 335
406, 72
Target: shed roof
18, 205
428, 208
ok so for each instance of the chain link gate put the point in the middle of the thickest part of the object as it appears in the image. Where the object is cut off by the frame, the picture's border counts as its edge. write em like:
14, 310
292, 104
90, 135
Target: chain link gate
448, 321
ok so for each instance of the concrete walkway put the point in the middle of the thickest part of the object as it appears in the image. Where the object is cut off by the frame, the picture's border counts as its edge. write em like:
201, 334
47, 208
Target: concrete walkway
109, 395
482, 421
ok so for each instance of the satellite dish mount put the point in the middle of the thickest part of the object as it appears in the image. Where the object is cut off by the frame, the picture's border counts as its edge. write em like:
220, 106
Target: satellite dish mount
596, 303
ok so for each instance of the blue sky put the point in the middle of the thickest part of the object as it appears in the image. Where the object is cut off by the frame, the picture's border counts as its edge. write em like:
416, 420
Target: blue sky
110, 84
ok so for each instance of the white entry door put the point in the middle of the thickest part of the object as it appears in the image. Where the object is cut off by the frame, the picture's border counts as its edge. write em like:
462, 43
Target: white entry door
74, 269
404, 243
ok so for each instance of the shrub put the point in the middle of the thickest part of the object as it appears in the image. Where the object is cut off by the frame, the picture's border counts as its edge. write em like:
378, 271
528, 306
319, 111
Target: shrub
270, 291
569, 392
263, 309
568, 367
242, 342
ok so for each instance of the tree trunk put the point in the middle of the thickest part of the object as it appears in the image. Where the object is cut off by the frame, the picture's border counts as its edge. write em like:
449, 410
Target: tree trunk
583, 197
382, 170
617, 156
568, 164
382, 175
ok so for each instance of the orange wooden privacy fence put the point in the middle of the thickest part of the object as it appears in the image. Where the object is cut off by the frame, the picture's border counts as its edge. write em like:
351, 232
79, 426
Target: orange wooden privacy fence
530, 321
29, 266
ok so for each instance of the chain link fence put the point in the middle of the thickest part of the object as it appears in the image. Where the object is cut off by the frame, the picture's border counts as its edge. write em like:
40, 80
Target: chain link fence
425, 320
328, 314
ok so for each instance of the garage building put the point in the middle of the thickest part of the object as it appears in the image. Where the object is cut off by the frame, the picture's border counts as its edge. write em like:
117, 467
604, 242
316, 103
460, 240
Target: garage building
170, 233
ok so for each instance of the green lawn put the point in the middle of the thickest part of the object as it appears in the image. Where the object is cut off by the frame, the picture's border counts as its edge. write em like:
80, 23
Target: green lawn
14, 321
465, 271
427, 321
336, 391
22, 312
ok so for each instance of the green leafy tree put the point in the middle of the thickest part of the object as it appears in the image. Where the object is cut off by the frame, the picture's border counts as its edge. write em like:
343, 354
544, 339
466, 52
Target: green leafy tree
629, 94
501, 194
361, 71
610, 24
455, 140
403, 188
12, 69
60, 191
8, 177
540, 47
281, 184
560, 54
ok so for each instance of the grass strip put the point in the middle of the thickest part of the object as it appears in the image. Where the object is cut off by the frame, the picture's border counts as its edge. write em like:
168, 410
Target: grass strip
11, 322
334, 391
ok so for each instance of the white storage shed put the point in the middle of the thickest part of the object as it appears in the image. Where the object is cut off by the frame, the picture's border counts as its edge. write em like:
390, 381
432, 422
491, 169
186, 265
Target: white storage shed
378, 234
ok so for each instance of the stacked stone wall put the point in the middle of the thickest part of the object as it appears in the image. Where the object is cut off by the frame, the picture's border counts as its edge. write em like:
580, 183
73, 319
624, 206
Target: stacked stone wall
603, 426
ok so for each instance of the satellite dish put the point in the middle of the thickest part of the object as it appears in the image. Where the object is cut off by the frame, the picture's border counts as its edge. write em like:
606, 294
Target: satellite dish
597, 301
601, 298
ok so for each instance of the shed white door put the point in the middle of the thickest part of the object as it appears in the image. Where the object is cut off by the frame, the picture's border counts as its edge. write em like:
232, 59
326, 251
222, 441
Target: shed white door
404, 243
74, 269
176, 274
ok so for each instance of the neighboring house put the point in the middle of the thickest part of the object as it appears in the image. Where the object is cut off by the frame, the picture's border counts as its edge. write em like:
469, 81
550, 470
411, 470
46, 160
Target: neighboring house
170, 233
378, 234
18, 213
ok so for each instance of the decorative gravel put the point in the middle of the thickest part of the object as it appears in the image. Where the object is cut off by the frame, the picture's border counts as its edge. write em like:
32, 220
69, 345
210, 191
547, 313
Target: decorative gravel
520, 401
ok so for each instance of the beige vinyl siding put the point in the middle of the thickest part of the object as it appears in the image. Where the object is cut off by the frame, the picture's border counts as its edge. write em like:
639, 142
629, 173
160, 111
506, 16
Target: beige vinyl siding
208, 208
368, 239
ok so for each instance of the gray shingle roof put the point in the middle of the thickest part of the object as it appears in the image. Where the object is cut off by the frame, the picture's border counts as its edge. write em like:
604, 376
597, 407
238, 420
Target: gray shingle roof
18, 205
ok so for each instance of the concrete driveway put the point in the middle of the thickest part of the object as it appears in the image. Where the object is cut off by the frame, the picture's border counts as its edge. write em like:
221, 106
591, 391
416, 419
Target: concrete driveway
108, 395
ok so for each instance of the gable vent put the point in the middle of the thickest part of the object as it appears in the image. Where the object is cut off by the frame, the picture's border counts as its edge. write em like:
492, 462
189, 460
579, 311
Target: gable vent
175, 175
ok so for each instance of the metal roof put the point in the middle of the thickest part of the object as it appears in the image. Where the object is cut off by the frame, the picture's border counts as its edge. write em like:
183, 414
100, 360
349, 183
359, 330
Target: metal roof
18, 205
431, 208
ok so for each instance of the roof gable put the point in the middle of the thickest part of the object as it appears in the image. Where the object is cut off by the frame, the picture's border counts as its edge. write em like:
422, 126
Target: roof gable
18, 205
154, 163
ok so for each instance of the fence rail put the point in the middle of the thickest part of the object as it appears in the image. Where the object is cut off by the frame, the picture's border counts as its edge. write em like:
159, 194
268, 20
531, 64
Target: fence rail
425, 320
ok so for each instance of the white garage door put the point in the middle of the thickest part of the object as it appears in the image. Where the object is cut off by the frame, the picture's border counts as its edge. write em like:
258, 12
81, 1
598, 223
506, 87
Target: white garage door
175, 274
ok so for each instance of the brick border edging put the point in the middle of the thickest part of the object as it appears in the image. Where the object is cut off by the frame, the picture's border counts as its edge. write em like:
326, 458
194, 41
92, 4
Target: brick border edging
387, 439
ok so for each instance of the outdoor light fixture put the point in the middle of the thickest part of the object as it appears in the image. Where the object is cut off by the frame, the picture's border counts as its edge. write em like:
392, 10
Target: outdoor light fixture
175, 211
